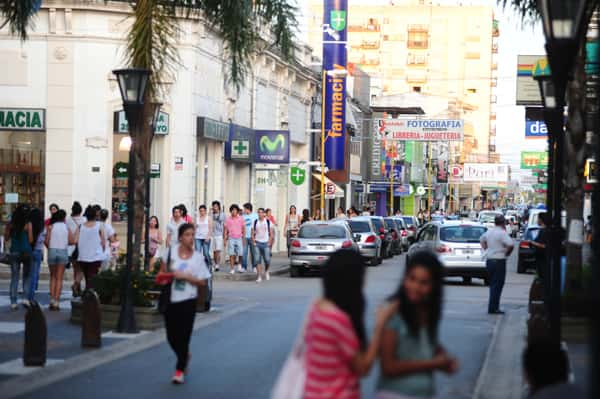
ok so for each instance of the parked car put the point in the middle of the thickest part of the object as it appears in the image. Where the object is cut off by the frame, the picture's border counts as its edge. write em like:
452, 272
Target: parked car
368, 240
457, 245
412, 225
384, 234
403, 232
393, 228
315, 243
526, 259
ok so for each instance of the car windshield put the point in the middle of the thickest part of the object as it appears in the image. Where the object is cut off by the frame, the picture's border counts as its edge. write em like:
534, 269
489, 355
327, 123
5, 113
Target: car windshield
487, 217
359, 227
377, 223
322, 231
469, 234
389, 223
409, 221
531, 234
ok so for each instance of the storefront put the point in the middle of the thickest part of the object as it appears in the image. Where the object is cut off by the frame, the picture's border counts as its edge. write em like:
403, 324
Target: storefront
22, 159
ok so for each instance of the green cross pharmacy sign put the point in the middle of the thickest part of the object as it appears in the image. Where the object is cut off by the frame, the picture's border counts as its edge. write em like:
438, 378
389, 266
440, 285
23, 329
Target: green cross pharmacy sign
27, 119
240, 149
297, 175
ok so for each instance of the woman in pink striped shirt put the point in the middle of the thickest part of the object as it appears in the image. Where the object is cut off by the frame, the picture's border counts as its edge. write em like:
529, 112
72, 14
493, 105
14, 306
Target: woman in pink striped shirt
337, 352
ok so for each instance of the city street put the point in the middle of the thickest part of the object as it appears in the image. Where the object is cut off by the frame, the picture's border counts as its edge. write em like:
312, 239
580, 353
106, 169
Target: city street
238, 349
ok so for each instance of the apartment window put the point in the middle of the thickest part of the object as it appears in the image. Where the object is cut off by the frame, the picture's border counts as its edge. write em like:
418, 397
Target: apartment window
416, 89
416, 59
472, 91
418, 37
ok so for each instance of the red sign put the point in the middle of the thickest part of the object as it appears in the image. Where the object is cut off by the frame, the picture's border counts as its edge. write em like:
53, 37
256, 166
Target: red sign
329, 188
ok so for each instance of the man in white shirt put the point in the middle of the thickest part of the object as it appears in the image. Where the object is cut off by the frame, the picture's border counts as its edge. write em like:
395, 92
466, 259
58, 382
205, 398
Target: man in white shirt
499, 246
263, 234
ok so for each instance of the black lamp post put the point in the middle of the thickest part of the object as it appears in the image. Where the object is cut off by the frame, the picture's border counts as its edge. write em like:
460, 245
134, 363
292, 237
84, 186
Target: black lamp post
132, 84
155, 106
563, 28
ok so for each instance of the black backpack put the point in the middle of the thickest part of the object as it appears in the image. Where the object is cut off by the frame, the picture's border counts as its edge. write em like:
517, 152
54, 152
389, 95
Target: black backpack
268, 227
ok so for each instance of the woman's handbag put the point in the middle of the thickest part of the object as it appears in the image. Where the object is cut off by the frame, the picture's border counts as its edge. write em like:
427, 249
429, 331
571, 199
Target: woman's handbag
4, 254
291, 379
165, 293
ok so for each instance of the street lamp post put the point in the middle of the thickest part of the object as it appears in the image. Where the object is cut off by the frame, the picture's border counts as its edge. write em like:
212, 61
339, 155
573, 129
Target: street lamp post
155, 106
563, 29
132, 85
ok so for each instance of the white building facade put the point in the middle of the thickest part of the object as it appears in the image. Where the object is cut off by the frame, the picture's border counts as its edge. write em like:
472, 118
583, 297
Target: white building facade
62, 76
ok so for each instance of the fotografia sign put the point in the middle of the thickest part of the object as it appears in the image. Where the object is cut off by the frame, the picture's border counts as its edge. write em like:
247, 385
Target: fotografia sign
485, 172
421, 129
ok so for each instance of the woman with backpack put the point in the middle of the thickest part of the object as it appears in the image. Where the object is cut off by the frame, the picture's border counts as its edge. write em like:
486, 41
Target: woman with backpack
57, 240
39, 235
20, 234
90, 244
73, 222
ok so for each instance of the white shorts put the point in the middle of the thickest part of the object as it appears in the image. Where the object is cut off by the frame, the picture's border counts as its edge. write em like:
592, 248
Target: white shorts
216, 244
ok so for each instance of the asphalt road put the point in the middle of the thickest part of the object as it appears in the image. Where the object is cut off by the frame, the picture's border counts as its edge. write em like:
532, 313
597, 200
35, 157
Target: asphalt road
240, 356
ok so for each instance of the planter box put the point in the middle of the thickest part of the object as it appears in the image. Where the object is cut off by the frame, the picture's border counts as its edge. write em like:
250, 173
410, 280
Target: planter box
145, 318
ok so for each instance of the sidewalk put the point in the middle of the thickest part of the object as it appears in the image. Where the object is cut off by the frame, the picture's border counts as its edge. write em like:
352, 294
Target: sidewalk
279, 265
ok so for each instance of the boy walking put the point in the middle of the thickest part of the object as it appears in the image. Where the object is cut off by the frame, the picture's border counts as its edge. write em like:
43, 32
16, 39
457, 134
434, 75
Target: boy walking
249, 219
263, 234
235, 233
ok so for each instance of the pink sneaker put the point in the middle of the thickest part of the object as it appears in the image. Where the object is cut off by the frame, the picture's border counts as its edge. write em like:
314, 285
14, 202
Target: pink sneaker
178, 377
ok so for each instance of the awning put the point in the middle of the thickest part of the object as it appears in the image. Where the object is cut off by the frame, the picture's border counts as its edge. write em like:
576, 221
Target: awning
339, 192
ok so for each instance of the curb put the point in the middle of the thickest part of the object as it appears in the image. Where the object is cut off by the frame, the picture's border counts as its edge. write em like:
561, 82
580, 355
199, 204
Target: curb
248, 276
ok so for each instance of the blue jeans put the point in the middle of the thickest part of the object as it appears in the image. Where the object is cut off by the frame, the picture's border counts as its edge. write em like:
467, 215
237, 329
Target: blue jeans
497, 275
203, 246
249, 247
35, 272
16, 259
262, 251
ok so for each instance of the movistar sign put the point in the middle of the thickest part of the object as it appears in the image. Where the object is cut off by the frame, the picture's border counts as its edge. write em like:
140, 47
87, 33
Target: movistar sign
31, 119
272, 146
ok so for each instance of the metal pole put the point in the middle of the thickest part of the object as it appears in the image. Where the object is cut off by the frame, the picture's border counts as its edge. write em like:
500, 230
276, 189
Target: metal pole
147, 220
429, 177
392, 186
127, 322
323, 145
595, 291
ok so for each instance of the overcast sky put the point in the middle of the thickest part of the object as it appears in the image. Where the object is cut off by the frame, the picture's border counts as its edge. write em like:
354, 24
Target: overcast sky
514, 40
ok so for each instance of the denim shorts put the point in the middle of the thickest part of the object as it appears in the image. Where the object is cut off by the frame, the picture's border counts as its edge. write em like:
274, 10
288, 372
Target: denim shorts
262, 251
58, 256
235, 247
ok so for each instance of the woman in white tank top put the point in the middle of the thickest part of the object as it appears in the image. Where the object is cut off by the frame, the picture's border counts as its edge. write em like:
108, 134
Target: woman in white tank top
203, 233
57, 240
90, 244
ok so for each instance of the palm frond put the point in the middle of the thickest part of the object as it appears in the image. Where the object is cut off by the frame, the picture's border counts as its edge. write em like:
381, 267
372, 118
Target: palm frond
527, 10
18, 15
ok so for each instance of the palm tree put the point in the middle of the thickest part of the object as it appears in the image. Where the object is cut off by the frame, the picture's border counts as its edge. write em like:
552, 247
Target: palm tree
575, 149
151, 44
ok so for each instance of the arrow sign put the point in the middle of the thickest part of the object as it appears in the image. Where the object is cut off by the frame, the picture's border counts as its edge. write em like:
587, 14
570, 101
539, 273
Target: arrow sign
121, 169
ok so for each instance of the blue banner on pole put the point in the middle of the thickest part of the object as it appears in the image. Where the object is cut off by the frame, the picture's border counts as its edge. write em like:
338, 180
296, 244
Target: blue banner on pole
335, 20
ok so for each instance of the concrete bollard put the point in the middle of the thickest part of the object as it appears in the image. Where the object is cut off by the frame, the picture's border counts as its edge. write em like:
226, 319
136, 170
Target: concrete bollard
36, 334
90, 320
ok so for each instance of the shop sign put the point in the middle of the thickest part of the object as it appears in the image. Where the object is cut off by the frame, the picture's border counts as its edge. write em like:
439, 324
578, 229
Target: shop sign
212, 129
335, 60
11, 198
403, 190
272, 146
240, 147
154, 170
122, 126
297, 175
529, 66
358, 187
378, 187
485, 172
534, 159
535, 130
29, 119
421, 129
178, 163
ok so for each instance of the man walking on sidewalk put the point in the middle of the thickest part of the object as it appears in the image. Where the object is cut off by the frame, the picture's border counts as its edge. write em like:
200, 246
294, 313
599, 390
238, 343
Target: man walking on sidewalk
262, 237
499, 246
249, 219
235, 233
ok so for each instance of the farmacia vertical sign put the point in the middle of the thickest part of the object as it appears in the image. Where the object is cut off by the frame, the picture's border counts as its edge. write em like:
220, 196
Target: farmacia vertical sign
335, 21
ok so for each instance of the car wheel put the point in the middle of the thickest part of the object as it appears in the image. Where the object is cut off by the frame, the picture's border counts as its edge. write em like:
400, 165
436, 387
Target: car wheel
486, 282
467, 280
294, 271
207, 306
521, 268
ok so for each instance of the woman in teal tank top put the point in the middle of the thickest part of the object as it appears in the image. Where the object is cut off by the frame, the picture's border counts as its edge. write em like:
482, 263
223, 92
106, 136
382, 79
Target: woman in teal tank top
20, 235
410, 351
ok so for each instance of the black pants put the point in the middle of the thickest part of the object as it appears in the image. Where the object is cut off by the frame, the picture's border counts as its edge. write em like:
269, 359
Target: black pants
497, 274
179, 322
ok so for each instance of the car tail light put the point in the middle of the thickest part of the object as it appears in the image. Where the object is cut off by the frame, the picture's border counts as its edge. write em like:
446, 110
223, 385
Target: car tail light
412, 228
347, 244
443, 249
394, 235
381, 230
296, 244
370, 239
403, 233
382, 236
524, 244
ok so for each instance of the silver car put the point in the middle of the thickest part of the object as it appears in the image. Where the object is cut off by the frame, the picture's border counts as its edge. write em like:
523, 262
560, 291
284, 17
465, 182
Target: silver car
457, 245
316, 242
412, 226
368, 240
403, 232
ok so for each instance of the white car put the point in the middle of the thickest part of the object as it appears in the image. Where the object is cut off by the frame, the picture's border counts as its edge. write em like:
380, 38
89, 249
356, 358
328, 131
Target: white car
486, 218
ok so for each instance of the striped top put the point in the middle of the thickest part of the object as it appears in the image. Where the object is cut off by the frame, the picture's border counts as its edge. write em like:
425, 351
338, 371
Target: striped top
331, 344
